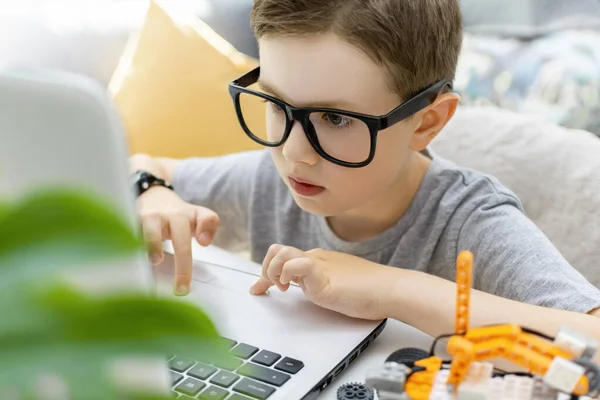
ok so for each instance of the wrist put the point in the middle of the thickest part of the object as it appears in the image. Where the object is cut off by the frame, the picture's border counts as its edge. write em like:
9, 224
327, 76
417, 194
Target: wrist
423, 301
155, 189
391, 294
144, 181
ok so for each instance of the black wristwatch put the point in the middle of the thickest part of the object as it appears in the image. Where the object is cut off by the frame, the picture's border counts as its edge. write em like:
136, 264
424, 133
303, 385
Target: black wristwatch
144, 180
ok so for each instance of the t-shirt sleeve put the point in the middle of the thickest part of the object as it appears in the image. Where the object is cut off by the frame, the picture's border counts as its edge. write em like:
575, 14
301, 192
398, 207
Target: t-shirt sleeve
515, 260
223, 184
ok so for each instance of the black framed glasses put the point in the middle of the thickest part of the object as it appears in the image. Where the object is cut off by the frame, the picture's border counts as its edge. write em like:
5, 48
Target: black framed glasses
342, 137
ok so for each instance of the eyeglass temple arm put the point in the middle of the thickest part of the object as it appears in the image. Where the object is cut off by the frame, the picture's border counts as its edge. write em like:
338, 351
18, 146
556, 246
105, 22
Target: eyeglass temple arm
415, 104
248, 78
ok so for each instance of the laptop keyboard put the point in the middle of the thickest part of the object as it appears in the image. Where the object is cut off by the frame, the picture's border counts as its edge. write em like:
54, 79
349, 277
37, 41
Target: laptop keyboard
249, 373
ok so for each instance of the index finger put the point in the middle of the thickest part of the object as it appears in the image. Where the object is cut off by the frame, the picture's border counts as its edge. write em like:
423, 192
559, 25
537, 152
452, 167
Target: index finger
181, 236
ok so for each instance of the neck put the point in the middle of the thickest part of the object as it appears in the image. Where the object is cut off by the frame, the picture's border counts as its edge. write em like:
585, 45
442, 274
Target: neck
385, 210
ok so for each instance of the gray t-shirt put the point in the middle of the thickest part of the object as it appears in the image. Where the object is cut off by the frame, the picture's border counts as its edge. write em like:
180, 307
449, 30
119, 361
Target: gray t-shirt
454, 209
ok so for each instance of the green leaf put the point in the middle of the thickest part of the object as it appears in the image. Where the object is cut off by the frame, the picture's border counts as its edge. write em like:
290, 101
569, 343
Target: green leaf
82, 369
81, 333
51, 230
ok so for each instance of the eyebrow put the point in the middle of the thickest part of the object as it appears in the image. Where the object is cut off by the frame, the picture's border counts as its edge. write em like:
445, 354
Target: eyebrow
337, 105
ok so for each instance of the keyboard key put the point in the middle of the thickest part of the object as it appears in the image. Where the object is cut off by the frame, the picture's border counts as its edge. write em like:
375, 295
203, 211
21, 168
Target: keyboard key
267, 358
180, 364
175, 377
243, 350
228, 342
206, 358
190, 387
213, 393
254, 389
224, 379
202, 371
229, 363
263, 374
236, 396
289, 365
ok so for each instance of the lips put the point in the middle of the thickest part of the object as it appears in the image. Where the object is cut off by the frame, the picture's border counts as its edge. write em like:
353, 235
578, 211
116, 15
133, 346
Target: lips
304, 187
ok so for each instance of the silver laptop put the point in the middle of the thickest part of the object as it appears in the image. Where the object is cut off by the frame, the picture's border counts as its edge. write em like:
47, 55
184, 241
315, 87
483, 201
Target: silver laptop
58, 128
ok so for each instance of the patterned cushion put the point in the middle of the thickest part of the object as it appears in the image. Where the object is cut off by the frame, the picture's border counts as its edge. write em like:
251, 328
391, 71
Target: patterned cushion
555, 76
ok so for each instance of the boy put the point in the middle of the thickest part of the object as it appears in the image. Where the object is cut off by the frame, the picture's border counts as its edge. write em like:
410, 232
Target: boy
354, 207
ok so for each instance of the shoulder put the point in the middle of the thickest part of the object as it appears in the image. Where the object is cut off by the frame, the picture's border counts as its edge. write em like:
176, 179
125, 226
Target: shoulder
468, 189
469, 205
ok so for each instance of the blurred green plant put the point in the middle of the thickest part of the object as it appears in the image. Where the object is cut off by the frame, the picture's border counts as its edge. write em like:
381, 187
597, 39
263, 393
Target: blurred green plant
53, 335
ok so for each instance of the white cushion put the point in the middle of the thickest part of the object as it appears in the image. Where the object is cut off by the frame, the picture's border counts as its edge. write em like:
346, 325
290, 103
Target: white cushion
553, 170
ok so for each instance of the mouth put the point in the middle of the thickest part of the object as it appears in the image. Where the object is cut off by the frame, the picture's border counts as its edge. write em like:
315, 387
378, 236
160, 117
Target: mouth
304, 187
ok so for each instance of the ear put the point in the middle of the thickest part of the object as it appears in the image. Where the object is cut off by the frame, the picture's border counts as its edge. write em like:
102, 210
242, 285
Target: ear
433, 119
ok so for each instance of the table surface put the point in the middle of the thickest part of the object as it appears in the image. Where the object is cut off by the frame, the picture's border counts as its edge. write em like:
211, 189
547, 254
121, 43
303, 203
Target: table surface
396, 335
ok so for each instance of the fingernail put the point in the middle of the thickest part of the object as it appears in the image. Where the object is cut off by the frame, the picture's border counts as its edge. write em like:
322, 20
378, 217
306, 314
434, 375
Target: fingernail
182, 290
155, 258
204, 237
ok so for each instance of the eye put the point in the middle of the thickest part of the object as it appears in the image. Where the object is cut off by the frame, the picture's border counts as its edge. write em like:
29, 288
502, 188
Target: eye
273, 106
339, 121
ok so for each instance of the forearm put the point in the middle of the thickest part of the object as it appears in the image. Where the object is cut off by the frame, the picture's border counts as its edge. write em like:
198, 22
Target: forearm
160, 167
428, 303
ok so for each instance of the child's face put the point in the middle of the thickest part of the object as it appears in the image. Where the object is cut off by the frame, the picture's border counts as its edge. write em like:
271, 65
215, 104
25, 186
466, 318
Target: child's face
325, 71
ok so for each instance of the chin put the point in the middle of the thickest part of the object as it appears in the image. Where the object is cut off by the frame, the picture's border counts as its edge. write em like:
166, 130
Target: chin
315, 207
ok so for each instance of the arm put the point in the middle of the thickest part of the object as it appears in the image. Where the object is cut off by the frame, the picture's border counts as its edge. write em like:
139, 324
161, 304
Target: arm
513, 259
222, 184
209, 193
161, 167
519, 276
374, 291
428, 303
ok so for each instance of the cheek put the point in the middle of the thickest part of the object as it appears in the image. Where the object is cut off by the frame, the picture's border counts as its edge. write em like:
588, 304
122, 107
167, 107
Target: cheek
359, 185
392, 151
394, 143
277, 156
392, 154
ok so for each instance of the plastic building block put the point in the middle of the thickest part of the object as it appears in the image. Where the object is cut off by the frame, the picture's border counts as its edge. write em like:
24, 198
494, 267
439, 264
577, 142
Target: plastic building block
473, 391
576, 344
439, 390
479, 372
563, 374
517, 387
541, 391
388, 380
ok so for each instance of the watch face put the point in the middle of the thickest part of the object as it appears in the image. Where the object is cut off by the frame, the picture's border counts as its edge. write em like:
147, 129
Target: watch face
136, 177
141, 181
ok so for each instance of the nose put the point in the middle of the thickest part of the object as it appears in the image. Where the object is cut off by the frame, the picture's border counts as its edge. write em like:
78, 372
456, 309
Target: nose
297, 149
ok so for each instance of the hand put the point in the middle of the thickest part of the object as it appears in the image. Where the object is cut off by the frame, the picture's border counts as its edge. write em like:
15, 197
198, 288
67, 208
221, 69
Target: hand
340, 282
165, 216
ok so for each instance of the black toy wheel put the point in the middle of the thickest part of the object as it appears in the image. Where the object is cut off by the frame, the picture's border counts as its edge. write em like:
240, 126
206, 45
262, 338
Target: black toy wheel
408, 356
355, 391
